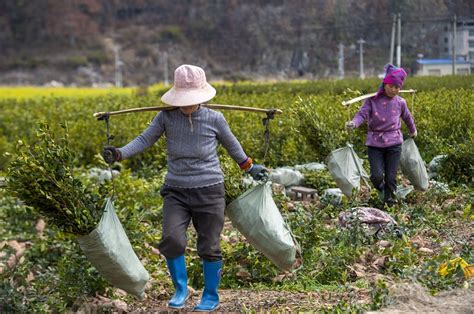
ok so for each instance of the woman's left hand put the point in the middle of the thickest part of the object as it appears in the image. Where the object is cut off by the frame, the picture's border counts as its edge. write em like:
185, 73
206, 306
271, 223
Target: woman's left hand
414, 134
258, 172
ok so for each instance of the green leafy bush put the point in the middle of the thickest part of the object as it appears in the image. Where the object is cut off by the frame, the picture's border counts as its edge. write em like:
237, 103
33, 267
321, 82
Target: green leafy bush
61, 275
458, 166
41, 175
232, 178
319, 180
311, 125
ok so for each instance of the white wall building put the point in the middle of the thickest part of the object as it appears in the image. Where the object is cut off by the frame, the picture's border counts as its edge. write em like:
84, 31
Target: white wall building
464, 41
439, 67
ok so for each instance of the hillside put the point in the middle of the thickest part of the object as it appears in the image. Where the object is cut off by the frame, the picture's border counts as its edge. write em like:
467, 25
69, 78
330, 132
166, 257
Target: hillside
73, 41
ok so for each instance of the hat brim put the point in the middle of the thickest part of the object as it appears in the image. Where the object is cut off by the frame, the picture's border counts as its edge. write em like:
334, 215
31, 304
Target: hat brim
188, 97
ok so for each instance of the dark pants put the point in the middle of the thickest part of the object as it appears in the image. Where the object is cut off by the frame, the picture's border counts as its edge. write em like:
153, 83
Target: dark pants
383, 169
205, 207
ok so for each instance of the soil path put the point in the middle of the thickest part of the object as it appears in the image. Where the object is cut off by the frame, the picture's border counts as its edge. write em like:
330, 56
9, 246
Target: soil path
404, 298
244, 300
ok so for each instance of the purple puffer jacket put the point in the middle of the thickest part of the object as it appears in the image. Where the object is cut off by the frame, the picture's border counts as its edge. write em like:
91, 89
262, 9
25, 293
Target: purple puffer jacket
383, 118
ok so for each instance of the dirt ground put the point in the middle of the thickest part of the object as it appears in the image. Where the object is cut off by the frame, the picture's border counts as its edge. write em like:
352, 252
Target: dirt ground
404, 298
413, 298
237, 301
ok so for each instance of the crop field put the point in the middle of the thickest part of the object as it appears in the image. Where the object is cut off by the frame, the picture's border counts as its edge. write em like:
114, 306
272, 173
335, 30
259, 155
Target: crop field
43, 269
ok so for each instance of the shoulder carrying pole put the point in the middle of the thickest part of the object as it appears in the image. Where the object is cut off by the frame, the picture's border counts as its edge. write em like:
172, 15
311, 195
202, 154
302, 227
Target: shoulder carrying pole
100, 115
269, 112
353, 100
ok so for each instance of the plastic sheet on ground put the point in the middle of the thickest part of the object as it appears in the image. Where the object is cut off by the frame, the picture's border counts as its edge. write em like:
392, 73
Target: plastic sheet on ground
108, 249
403, 191
434, 165
440, 187
257, 217
332, 196
313, 166
374, 220
286, 176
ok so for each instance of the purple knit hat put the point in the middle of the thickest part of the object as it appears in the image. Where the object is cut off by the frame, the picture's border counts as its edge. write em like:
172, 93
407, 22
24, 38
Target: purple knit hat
393, 75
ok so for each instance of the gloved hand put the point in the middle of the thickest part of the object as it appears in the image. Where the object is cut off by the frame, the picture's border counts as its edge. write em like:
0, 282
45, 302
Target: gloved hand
414, 134
111, 154
350, 125
258, 172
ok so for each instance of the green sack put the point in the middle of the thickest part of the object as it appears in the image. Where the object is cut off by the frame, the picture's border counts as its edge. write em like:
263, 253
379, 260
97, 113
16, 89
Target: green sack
346, 169
413, 166
257, 217
107, 248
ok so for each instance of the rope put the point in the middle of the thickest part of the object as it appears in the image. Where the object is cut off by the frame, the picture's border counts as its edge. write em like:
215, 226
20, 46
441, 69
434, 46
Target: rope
266, 133
349, 131
109, 137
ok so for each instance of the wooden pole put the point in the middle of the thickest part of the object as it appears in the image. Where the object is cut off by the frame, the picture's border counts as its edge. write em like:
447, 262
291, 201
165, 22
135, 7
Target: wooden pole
100, 115
351, 101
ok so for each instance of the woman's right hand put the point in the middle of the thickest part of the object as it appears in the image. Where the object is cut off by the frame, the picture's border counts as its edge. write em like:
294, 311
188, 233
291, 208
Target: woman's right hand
111, 154
350, 125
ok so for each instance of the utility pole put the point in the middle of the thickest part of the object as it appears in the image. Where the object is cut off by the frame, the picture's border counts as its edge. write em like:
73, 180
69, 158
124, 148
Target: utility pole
454, 44
392, 40
165, 68
399, 41
341, 61
361, 42
118, 67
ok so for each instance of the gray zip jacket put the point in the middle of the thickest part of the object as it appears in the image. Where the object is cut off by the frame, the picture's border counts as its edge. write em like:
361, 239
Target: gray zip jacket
191, 146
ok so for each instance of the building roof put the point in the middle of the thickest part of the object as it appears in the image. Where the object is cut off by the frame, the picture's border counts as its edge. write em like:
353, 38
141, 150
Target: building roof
440, 61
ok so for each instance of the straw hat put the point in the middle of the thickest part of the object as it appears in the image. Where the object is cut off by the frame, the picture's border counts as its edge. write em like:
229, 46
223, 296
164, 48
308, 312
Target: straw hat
190, 87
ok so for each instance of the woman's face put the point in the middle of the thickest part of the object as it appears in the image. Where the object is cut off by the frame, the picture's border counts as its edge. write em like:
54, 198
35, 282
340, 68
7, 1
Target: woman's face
189, 109
391, 90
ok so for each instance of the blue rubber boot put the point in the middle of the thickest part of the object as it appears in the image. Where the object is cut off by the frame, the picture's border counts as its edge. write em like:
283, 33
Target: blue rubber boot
177, 269
210, 296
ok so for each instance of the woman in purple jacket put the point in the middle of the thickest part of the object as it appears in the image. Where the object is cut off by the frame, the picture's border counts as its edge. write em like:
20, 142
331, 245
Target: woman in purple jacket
384, 136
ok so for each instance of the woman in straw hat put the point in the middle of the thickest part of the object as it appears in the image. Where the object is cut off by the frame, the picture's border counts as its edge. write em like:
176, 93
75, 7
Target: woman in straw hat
384, 137
194, 185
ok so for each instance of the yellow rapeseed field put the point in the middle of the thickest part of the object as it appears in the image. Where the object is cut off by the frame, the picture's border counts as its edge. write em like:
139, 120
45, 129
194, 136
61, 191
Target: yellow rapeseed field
8, 92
